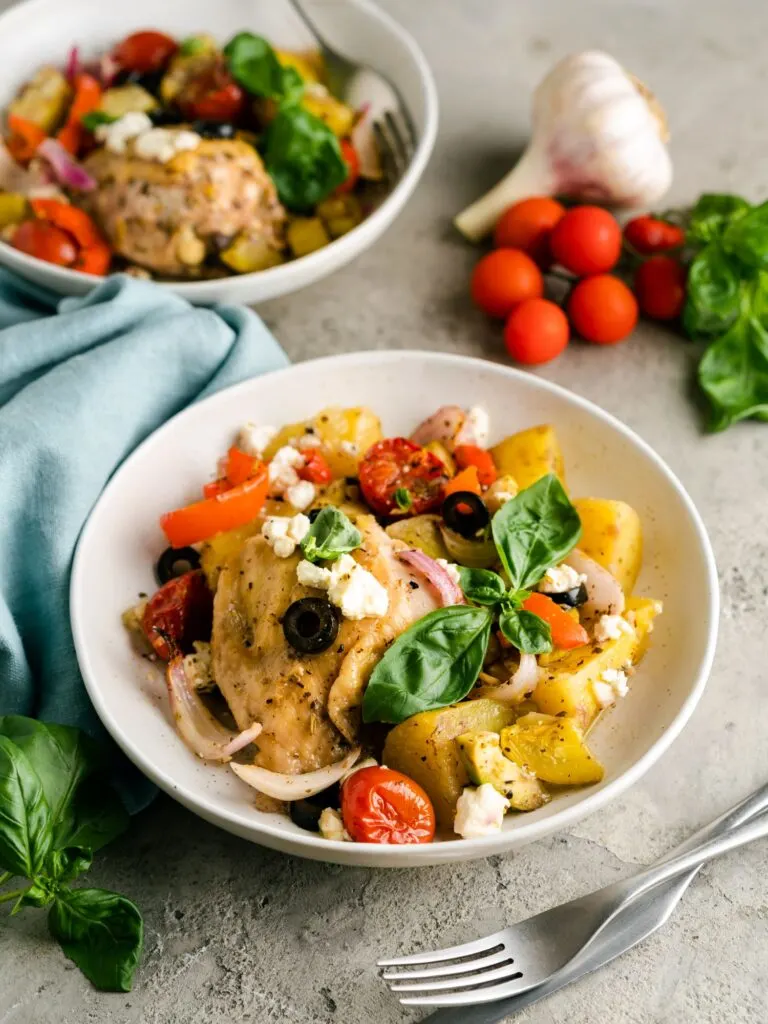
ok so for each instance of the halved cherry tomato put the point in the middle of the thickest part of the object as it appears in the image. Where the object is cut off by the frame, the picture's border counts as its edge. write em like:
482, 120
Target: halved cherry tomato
397, 463
648, 235
380, 805
566, 632
145, 51
240, 466
46, 242
315, 468
203, 519
467, 480
25, 136
69, 218
472, 455
352, 160
86, 99
216, 487
178, 614
213, 95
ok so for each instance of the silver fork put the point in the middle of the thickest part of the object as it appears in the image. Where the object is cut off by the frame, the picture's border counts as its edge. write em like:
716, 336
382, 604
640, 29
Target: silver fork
524, 956
387, 117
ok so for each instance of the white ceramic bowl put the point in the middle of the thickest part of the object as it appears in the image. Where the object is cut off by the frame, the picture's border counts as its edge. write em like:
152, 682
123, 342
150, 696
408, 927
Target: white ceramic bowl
603, 458
41, 31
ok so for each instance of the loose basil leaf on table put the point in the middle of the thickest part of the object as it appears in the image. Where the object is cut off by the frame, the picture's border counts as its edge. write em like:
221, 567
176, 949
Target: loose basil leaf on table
712, 214
436, 662
527, 631
481, 585
102, 932
747, 238
714, 293
331, 535
25, 817
303, 158
535, 530
255, 65
734, 373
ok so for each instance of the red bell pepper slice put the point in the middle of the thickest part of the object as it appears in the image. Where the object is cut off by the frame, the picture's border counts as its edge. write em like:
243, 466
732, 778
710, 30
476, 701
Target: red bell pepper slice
86, 99
566, 632
203, 519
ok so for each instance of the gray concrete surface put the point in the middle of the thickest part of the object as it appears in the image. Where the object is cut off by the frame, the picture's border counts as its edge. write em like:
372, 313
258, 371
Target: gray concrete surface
236, 933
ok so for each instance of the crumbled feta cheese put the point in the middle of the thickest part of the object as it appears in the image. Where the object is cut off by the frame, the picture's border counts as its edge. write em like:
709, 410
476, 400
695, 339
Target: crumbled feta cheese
349, 448
300, 495
611, 685
479, 811
284, 533
162, 144
311, 575
254, 440
308, 441
117, 134
561, 578
451, 568
282, 469
331, 826
610, 627
604, 694
480, 423
355, 591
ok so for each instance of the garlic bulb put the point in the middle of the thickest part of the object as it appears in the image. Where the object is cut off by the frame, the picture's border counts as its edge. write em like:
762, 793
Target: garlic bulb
598, 134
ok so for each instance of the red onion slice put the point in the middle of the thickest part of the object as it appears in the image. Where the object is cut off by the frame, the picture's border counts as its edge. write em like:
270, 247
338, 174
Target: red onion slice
517, 687
447, 588
72, 67
604, 593
108, 68
67, 171
202, 733
294, 787
446, 426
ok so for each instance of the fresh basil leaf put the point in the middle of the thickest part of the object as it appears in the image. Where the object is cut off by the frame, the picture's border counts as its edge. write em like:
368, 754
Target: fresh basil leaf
303, 158
527, 632
193, 45
481, 585
92, 120
535, 530
434, 663
292, 86
747, 237
403, 499
98, 817
26, 830
714, 293
331, 535
40, 894
255, 65
102, 932
734, 373
64, 865
712, 214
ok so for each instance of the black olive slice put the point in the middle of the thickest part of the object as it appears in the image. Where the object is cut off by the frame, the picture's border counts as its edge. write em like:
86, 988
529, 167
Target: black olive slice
306, 813
572, 598
465, 513
313, 514
214, 129
310, 625
176, 562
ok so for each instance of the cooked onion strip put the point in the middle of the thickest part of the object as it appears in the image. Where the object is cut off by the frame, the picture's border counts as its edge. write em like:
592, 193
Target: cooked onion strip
294, 787
605, 596
447, 588
517, 687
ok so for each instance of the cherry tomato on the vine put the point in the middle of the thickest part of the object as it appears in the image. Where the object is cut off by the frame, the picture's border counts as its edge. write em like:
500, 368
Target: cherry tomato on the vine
536, 332
602, 309
660, 287
503, 279
145, 51
648, 235
527, 225
380, 805
587, 240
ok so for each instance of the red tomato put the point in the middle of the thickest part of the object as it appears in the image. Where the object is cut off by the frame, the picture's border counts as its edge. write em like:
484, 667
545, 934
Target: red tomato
212, 96
587, 240
178, 614
660, 287
145, 51
352, 161
602, 309
397, 463
648, 235
536, 332
503, 279
379, 805
566, 632
471, 455
315, 468
45, 241
527, 225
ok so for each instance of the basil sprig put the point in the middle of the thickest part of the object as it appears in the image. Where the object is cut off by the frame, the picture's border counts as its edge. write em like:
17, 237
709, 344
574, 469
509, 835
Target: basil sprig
255, 65
436, 661
330, 536
55, 812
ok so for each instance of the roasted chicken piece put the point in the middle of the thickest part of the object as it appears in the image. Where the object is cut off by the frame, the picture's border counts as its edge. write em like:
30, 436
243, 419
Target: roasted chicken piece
309, 705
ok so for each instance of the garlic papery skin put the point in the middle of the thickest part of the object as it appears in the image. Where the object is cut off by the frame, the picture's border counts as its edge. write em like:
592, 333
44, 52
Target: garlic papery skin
598, 135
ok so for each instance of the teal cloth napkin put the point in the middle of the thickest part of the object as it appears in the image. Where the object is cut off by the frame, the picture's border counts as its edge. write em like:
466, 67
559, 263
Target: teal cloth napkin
82, 383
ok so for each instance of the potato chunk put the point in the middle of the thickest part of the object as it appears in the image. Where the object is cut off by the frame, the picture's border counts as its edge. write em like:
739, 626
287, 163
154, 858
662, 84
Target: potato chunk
529, 455
484, 761
552, 748
612, 536
345, 435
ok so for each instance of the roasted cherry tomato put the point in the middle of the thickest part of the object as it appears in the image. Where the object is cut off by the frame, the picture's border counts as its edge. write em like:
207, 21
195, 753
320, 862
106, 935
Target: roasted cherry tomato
602, 309
213, 95
587, 240
315, 468
145, 51
566, 632
397, 464
235, 507
379, 805
69, 218
352, 160
471, 455
178, 614
648, 235
660, 287
527, 225
46, 242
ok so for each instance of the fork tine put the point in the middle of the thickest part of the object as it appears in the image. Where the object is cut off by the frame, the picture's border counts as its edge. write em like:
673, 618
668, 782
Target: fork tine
386, 152
399, 141
478, 948
507, 972
438, 972
501, 990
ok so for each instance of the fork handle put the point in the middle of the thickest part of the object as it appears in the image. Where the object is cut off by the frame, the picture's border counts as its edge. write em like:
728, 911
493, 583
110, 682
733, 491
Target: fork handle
741, 812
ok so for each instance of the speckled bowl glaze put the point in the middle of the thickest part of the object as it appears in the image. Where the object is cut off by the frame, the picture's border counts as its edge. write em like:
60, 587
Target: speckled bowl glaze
603, 458
41, 31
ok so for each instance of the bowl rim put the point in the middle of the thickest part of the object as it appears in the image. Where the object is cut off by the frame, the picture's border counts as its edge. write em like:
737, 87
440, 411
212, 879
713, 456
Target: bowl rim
417, 854
284, 275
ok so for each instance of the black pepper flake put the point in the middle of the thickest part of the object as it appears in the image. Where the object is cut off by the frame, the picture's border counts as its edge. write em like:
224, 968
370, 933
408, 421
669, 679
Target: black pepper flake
413, 584
142, 594
250, 584
340, 649
268, 700
247, 643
